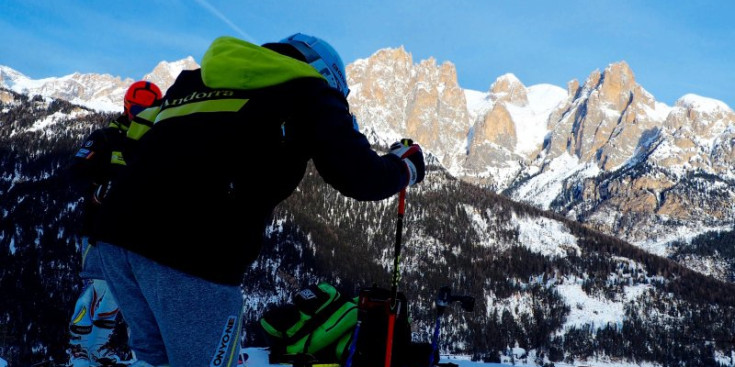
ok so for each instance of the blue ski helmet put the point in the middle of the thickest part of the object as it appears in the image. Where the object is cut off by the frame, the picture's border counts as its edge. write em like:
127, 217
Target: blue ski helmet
323, 57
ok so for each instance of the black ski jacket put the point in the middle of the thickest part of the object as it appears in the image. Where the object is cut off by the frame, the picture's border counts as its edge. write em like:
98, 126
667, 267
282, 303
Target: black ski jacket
93, 166
228, 143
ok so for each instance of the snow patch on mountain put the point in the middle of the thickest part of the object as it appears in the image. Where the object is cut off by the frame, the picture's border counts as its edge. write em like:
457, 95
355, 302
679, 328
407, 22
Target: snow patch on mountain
480, 225
597, 311
53, 119
543, 188
531, 120
658, 243
9, 77
545, 236
658, 112
46, 122
543, 98
478, 103
701, 103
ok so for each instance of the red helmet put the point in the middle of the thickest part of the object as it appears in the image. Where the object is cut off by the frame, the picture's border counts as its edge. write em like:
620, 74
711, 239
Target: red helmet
141, 95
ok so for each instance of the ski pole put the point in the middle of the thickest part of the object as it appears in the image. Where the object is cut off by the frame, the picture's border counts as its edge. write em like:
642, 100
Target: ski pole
435, 339
441, 302
397, 248
395, 306
399, 234
353, 345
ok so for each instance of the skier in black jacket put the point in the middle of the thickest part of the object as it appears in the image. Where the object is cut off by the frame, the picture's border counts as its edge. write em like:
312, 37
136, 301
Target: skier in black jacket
97, 161
229, 142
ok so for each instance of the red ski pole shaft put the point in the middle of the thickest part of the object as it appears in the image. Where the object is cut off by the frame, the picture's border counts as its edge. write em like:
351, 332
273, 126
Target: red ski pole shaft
389, 344
395, 305
397, 248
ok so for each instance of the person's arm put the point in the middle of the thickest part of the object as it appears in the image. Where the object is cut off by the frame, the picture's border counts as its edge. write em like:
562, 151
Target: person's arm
89, 163
346, 161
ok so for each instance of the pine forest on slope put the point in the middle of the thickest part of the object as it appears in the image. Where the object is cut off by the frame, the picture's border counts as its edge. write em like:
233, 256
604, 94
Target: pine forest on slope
543, 283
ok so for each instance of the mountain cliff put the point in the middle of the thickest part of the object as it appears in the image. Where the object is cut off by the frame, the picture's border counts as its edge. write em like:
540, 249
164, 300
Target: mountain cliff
627, 165
603, 152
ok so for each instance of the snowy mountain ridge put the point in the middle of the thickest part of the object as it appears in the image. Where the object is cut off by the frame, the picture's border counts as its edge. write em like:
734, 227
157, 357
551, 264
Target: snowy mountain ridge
547, 289
603, 152
101, 92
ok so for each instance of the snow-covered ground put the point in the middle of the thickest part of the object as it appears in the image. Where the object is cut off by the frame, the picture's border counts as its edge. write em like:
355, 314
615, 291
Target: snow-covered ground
259, 357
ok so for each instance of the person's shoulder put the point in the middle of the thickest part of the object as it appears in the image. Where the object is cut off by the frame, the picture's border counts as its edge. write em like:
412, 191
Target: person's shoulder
112, 130
187, 75
309, 82
314, 89
97, 133
115, 128
185, 81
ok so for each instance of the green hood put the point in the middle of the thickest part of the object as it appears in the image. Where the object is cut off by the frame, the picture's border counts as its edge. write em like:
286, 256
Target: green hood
231, 63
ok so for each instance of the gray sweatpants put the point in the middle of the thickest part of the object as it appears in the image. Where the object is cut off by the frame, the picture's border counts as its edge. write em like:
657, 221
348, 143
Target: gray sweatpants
174, 318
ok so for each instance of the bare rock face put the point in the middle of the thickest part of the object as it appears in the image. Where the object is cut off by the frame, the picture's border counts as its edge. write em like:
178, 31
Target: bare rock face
5, 97
78, 88
604, 119
615, 86
699, 136
661, 171
491, 157
393, 96
497, 127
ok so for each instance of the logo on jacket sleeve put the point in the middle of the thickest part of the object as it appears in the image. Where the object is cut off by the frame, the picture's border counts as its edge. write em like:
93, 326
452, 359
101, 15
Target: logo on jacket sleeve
84, 153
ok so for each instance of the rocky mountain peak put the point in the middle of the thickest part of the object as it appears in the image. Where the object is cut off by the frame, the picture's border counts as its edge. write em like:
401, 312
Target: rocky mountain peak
700, 134
573, 88
165, 73
701, 116
703, 109
617, 85
8, 76
626, 164
605, 118
397, 55
423, 101
507, 88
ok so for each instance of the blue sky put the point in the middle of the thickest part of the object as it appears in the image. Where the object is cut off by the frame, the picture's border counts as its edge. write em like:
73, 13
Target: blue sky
674, 47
